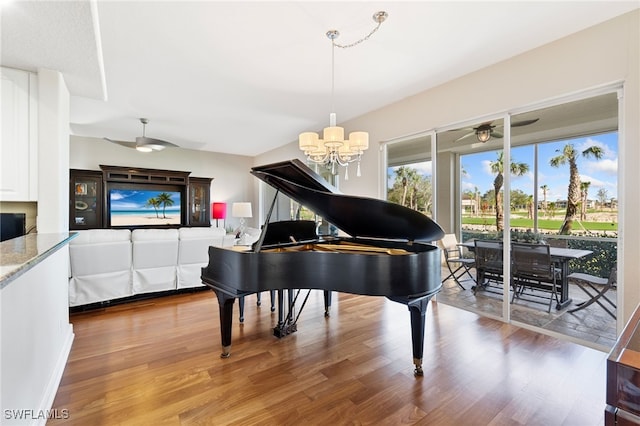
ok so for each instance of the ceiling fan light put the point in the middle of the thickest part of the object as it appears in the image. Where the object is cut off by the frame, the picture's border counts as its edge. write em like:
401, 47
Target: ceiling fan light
483, 134
144, 148
155, 147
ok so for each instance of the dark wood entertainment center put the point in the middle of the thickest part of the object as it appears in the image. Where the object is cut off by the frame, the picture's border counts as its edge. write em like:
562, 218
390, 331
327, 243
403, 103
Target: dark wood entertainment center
89, 203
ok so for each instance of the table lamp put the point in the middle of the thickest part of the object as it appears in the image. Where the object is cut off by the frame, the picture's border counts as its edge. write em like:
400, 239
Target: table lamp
241, 210
218, 211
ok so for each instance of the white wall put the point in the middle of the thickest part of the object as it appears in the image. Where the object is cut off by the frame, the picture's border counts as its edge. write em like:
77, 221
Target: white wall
36, 339
231, 178
53, 152
600, 55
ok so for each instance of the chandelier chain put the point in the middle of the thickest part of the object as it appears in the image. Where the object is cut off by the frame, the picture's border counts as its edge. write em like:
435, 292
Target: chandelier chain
378, 17
334, 149
355, 43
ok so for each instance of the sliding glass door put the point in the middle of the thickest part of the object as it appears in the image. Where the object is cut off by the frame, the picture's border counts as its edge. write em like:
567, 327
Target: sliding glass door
550, 177
409, 174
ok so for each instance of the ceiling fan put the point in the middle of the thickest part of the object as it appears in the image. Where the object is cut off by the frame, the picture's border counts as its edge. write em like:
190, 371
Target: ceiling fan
143, 143
485, 131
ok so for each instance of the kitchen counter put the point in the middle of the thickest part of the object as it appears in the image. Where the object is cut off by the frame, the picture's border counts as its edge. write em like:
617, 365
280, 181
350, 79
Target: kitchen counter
19, 255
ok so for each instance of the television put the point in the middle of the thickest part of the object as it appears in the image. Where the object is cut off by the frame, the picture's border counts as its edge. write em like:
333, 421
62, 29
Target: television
12, 225
142, 206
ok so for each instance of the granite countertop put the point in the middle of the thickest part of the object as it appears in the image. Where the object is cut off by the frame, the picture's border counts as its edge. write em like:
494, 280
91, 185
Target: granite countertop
18, 255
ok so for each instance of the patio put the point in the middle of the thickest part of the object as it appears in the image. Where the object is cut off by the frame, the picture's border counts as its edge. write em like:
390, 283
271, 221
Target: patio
591, 325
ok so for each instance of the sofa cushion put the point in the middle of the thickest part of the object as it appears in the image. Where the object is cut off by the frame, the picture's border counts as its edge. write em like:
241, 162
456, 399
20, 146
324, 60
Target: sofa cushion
193, 253
100, 265
155, 259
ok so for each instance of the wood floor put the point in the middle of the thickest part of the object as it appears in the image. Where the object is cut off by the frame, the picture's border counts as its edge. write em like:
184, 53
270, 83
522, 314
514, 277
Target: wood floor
157, 362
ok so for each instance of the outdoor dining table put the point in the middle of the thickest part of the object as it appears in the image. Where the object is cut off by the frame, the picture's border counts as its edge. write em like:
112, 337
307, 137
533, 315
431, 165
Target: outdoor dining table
561, 257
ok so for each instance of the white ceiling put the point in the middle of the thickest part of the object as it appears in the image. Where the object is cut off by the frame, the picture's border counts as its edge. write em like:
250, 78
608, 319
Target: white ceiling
246, 77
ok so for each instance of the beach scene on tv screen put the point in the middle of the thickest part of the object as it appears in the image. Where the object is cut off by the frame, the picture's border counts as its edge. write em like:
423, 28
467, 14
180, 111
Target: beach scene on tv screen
131, 207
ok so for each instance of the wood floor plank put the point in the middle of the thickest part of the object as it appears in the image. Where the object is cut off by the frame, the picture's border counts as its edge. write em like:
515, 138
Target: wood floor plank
157, 362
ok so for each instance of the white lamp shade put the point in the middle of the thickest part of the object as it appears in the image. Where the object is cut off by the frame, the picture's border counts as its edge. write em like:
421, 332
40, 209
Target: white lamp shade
359, 141
333, 136
241, 209
308, 141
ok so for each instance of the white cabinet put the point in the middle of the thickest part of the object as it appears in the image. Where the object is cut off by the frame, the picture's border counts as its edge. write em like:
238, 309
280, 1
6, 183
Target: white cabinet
19, 143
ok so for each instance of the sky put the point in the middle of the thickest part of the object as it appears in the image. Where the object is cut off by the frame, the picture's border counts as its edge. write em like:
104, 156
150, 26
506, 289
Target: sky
124, 199
601, 173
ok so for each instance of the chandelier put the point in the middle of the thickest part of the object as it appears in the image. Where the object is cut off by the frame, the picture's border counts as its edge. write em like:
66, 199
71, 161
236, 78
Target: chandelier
333, 149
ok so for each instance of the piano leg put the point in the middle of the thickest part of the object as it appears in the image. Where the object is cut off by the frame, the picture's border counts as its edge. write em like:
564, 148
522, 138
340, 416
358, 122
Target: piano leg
241, 306
259, 303
273, 300
327, 302
417, 310
225, 302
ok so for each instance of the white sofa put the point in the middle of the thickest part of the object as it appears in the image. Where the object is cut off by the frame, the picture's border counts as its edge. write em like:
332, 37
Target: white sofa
100, 266
155, 259
193, 252
108, 264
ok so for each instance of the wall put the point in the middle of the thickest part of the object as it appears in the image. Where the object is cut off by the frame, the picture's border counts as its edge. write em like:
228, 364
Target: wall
53, 152
600, 55
230, 173
36, 339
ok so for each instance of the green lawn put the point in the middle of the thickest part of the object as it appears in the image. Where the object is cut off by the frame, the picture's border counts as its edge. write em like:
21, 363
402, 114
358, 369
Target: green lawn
551, 224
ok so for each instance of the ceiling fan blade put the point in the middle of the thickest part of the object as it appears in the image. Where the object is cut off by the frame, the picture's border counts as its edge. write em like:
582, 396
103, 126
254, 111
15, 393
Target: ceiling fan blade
524, 122
123, 143
468, 135
156, 144
496, 135
463, 129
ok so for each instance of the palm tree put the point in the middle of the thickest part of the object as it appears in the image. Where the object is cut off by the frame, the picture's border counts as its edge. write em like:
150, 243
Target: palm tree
584, 195
411, 189
497, 167
153, 202
544, 188
165, 200
530, 207
570, 155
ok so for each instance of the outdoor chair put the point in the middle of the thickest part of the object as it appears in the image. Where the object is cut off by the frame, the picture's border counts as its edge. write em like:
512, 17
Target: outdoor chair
595, 287
532, 268
456, 262
488, 255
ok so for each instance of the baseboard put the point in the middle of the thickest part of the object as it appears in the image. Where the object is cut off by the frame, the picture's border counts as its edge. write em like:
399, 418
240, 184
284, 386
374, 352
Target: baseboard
134, 298
54, 382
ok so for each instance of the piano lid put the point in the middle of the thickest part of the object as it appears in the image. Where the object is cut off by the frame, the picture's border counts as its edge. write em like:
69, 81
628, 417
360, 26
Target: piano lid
356, 216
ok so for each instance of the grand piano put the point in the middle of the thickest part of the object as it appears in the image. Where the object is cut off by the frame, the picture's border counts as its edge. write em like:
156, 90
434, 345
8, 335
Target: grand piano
387, 253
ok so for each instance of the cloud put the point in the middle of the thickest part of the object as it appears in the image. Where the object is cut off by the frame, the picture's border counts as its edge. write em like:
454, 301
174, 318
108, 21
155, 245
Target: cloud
607, 166
468, 186
486, 167
595, 182
424, 168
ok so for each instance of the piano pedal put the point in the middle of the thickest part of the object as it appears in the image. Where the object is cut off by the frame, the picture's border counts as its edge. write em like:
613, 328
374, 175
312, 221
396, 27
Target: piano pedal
284, 330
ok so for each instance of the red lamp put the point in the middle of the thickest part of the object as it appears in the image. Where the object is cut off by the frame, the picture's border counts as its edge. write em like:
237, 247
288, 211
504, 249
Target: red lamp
218, 211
